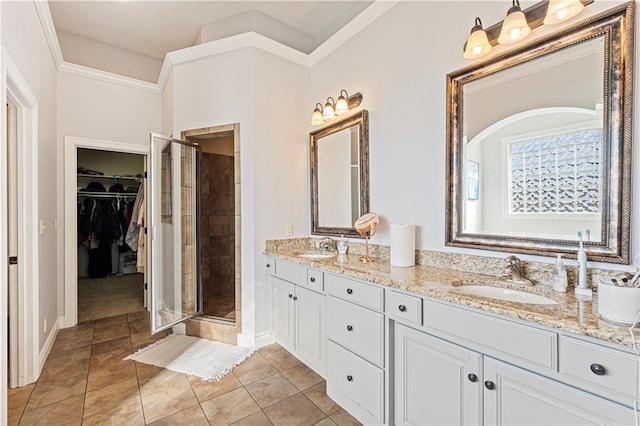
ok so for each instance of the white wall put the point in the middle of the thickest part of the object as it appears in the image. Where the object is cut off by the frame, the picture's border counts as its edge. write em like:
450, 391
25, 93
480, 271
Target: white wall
24, 40
97, 109
399, 63
267, 96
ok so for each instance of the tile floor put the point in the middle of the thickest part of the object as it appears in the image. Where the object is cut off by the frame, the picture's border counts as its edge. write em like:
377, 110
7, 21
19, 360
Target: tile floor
85, 381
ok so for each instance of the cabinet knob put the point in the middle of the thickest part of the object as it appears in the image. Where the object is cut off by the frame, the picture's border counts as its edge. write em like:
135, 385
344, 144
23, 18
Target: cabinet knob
350, 378
349, 291
402, 308
268, 265
489, 385
295, 297
349, 328
598, 369
313, 280
472, 378
290, 296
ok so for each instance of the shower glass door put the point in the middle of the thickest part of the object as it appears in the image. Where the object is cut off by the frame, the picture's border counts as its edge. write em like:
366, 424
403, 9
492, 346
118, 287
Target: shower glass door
175, 246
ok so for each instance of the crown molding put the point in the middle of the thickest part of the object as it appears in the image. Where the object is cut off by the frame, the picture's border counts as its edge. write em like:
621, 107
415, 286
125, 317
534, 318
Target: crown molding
108, 77
42, 7
357, 24
228, 44
215, 47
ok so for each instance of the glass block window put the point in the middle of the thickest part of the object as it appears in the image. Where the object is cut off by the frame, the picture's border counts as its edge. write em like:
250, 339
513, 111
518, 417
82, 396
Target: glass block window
559, 173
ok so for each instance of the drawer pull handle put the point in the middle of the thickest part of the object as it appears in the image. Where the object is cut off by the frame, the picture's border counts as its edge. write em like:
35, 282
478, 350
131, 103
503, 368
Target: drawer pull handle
295, 297
349, 291
598, 369
313, 280
472, 378
349, 328
290, 296
350, 378
402, 308
489, 385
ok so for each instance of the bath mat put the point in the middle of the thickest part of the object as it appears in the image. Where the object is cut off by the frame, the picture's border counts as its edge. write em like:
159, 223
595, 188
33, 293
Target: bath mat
204, 358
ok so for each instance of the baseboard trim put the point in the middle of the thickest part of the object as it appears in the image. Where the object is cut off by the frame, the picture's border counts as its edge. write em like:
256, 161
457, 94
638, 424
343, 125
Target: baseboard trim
48, 345
257, 340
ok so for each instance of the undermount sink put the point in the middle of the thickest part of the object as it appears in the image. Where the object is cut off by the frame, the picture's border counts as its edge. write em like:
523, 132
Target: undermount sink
507, 294
319, 255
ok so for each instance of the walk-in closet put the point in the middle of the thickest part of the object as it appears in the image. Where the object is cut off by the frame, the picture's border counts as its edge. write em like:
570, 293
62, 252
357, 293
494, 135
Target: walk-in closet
110, 218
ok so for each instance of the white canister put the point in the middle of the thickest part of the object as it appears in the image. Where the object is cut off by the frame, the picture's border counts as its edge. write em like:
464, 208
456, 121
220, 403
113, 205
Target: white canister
618, 304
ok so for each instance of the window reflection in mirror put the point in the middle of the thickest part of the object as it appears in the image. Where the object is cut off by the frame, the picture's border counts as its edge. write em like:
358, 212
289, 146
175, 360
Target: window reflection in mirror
539, 157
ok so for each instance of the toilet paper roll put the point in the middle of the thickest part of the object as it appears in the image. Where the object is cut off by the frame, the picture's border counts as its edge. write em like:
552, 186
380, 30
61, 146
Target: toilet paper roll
403, 245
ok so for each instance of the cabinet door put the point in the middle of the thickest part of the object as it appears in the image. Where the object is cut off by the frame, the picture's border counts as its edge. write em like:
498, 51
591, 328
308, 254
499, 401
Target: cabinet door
518, 397
435, 382
282, 311
310, 326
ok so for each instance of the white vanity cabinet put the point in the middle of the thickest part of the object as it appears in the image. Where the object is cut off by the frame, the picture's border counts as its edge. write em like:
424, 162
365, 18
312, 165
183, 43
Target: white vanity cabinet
298, 318
356, 348
435, 382
452, 370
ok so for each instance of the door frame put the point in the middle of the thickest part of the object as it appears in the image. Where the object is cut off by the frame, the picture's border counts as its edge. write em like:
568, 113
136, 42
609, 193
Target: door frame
15, 88
71, 145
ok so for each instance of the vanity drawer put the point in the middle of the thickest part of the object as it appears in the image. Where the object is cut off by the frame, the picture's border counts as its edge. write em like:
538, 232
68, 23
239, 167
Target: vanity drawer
503, 339
292, 272
357, 329
355, 377
315, 280
404, 306
600, 368
363, 294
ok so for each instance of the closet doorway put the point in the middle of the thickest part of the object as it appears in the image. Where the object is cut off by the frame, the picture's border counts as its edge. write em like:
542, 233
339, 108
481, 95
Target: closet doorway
109, 206
103, 181
220, 221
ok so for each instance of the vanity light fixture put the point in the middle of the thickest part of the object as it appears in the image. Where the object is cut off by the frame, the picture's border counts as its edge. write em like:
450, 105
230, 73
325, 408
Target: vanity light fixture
332, 108
514, 26
477, 43
316, 118
518, 24
329, 112
561, 10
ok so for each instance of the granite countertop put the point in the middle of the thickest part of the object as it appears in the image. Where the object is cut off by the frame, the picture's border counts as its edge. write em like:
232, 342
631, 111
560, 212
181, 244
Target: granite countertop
569, 314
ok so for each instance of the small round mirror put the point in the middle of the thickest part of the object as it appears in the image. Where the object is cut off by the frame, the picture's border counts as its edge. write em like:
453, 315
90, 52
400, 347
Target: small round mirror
366, 226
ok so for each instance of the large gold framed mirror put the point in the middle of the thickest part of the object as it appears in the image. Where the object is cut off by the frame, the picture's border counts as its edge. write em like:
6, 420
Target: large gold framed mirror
540, 142
339, 155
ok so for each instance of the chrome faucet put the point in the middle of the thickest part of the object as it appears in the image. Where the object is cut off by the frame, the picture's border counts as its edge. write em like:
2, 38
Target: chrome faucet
513, 272
325, 244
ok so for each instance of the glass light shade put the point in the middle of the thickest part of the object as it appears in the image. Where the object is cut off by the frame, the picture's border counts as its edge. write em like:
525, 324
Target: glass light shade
341, 106
316, 118
328, 112
561, 10
477, 43
514, 27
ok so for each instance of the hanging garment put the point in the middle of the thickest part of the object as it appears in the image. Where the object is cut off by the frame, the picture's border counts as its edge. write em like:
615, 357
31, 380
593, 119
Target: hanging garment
141, 261
133, 233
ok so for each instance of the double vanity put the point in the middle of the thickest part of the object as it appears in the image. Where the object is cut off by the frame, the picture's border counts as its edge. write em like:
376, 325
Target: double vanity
423, 345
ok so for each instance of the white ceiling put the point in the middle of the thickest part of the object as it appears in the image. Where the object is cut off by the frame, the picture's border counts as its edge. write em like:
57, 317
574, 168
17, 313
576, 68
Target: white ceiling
153, 28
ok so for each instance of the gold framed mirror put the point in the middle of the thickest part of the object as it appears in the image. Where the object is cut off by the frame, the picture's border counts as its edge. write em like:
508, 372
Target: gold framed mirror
540, 141
339, 157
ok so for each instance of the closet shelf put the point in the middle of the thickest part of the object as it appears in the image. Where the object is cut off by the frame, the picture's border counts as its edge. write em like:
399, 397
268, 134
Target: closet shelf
107, 194
112, 178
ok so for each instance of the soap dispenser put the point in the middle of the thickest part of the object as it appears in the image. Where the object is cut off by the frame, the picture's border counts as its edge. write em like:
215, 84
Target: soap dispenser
342, 246
581, 288
560, 276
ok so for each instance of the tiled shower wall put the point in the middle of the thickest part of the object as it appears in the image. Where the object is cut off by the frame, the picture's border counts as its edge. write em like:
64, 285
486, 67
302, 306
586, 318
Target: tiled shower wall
218, 230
